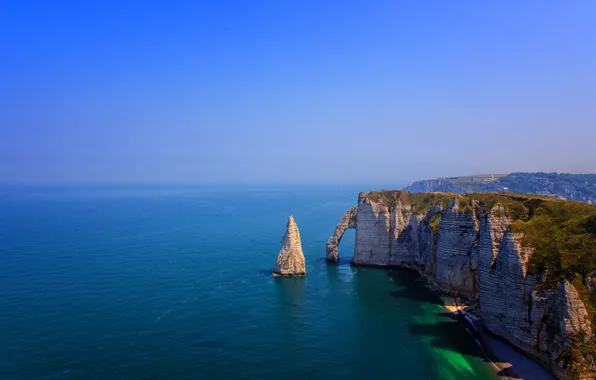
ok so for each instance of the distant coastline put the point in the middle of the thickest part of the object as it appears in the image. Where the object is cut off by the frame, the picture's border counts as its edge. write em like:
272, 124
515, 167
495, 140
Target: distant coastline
565, 186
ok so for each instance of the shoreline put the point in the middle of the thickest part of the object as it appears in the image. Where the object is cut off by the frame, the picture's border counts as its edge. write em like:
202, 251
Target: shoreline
509, 362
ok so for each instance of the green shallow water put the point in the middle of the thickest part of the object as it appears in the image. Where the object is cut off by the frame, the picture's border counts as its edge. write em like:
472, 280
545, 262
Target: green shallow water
173, 282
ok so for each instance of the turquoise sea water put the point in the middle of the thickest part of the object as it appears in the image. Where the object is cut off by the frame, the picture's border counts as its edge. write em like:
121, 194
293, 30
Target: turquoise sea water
173, 282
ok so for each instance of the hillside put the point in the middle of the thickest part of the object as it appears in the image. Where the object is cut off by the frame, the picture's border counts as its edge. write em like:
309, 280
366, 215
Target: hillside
577, 187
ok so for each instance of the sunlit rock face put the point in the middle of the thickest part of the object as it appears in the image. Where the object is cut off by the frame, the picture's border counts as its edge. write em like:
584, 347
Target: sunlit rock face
399, 236
373, 223
542, 322
290, 261
346, 222
474, 255
456, 250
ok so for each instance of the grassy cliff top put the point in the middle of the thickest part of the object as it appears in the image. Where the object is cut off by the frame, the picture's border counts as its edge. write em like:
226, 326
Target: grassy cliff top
517, 206
563, 232
480, 178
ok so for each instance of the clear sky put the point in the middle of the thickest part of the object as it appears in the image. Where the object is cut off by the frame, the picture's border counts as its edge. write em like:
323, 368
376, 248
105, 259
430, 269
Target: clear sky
295, 90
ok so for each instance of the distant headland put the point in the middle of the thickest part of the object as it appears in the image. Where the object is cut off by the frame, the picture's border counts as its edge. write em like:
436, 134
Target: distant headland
575, 187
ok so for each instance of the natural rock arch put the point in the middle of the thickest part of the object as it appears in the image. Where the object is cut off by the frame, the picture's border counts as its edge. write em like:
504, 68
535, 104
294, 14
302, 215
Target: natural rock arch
348, 221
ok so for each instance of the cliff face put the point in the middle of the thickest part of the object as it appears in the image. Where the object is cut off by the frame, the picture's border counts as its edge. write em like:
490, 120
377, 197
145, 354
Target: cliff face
373, 233
456, 251
397, 236
544, 323
591, 281
290, 261
473, 254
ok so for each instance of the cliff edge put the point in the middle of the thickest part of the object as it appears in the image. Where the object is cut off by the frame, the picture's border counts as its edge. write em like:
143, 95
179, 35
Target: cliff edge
527, 261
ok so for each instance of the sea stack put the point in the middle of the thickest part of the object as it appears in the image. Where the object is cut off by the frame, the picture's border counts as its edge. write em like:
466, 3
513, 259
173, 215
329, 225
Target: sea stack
290, 261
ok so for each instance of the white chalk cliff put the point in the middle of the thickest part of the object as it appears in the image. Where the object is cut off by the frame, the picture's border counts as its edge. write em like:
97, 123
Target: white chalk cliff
475, 256
290, 261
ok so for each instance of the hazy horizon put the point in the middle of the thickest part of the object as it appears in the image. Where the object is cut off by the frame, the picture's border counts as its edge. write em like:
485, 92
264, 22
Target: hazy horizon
389, 183
295, 91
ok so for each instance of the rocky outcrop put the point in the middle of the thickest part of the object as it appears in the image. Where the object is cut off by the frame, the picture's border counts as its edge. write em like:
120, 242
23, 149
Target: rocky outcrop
403, 225
456, 249
290, 261
473, 253
424, 257
492, 301
348, 221
373, 238
399, 236
573, 312
540, 321
591, 281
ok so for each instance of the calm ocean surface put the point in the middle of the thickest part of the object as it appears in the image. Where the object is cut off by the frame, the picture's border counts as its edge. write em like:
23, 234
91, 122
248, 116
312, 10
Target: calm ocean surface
173, 282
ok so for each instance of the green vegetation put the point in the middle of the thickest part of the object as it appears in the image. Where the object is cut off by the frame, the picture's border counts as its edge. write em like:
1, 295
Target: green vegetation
474, 179
582, 354
420, 202
564, 238
563, 232
579, 187
434, 223
516, 206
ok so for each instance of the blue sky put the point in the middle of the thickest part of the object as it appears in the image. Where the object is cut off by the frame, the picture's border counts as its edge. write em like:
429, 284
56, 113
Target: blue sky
295, 90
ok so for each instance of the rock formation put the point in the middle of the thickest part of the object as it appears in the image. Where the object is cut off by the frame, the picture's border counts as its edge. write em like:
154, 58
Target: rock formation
348, 221
473, 253
455, 254
373, 233
290, 261
591, 281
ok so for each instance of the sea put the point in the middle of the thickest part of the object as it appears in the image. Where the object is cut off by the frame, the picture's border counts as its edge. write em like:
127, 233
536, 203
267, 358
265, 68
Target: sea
173, 281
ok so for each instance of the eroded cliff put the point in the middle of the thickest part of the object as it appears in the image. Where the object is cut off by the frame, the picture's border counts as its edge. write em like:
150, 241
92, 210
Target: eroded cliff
480, 249
348, 221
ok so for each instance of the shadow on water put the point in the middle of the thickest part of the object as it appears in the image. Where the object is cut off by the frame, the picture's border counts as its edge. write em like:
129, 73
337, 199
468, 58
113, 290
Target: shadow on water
342, 262
290, 290
448, 335
448, 331
451, 335
411, 287
290, 308
415, 295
